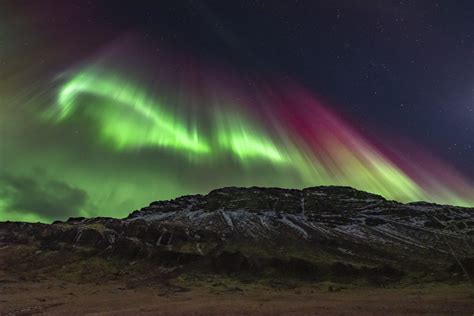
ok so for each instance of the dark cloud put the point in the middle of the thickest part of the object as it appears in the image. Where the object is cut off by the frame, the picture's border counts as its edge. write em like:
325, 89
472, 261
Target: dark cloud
48, 198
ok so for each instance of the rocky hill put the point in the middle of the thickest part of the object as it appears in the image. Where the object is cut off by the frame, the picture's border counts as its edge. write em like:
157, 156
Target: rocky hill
317, 234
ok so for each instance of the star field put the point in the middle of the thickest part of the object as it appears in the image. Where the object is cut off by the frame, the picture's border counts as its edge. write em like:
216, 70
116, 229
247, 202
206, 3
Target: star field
106, 106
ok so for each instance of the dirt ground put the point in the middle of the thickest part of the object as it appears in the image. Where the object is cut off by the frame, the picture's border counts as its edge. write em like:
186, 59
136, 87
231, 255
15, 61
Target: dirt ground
19, 297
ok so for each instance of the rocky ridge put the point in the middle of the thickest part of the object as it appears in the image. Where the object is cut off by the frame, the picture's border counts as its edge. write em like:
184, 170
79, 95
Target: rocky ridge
320, 233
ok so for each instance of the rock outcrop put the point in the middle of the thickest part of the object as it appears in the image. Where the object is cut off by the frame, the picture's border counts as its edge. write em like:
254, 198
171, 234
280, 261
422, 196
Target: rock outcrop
320, 232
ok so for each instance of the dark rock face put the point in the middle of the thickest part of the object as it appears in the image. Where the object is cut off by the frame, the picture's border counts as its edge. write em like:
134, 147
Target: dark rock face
336, 231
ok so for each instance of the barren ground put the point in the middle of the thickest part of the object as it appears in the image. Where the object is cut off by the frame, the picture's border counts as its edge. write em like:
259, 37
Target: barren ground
213, 297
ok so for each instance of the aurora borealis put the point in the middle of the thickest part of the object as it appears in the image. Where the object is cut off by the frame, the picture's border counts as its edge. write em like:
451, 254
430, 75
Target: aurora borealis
106, 131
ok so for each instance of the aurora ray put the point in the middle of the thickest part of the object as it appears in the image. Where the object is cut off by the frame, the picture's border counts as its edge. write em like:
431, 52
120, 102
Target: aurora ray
306, 137
154, 127
99, 116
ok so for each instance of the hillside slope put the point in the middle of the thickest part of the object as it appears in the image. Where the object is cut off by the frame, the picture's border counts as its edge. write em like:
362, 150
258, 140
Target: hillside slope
320, 234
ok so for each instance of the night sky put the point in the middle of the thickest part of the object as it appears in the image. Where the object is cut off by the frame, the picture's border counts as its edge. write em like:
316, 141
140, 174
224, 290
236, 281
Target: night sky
106, 106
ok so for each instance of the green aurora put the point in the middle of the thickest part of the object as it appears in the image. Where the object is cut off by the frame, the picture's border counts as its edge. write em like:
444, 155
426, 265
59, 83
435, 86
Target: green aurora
101, 140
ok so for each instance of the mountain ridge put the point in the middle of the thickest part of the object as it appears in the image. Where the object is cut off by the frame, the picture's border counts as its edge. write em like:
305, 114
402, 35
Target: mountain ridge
324, 233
